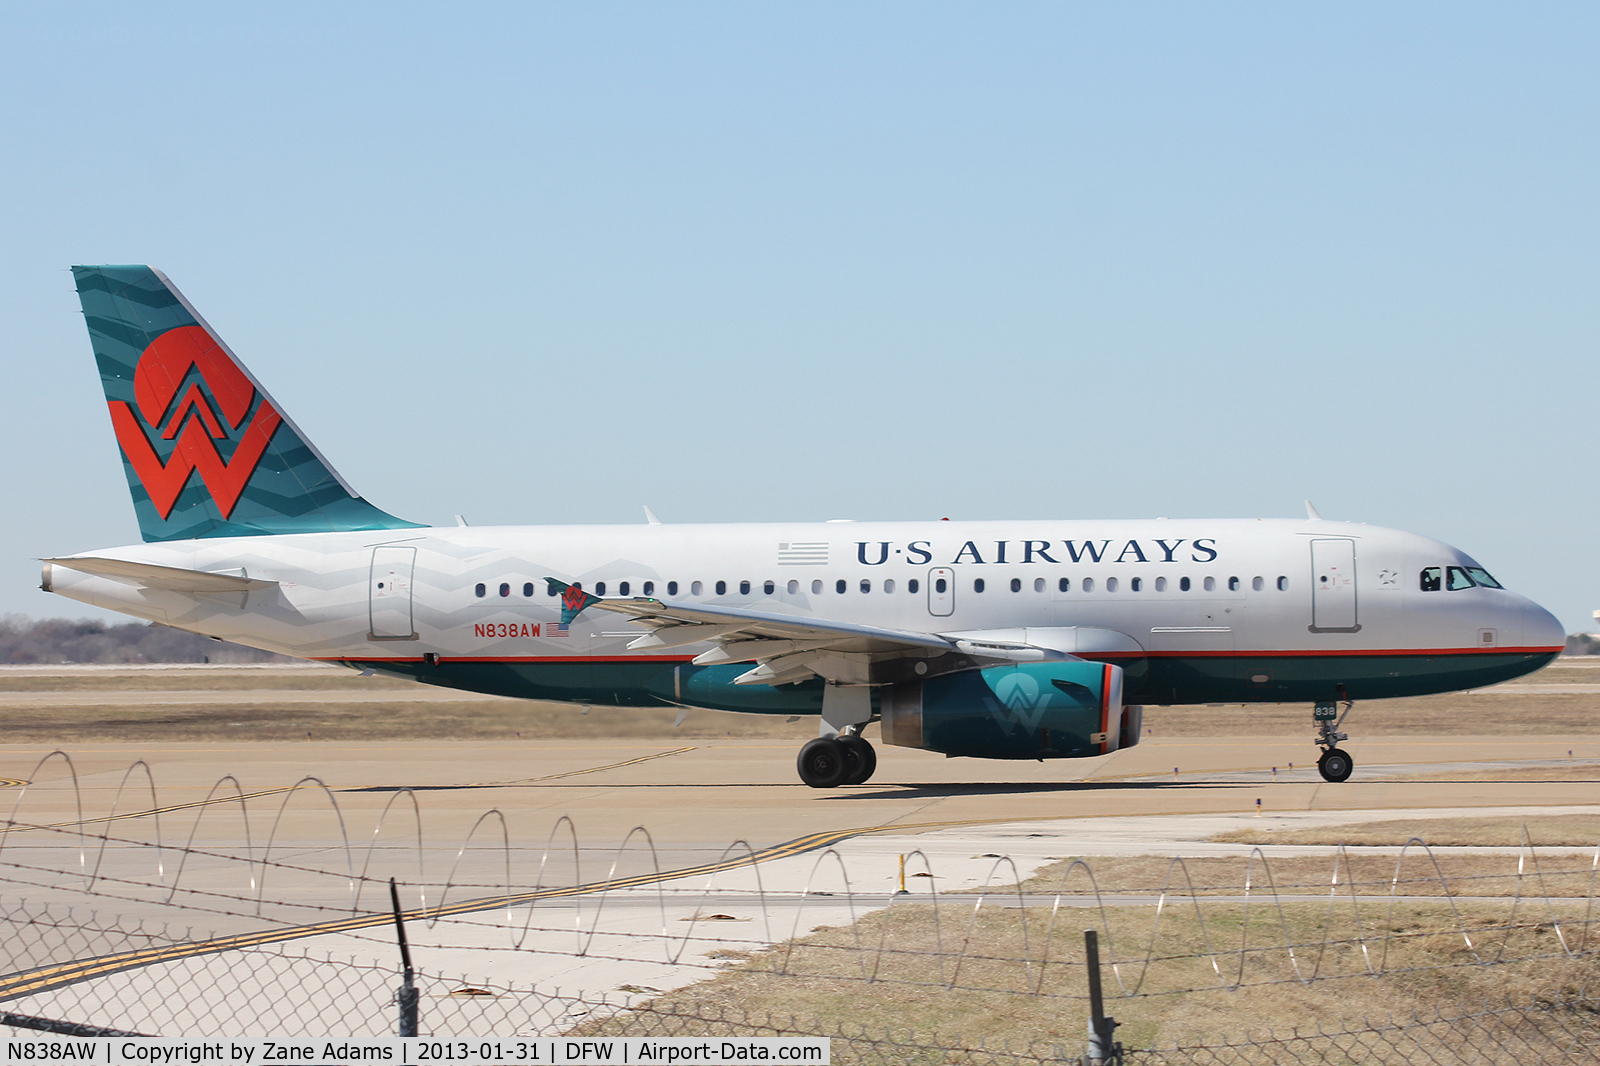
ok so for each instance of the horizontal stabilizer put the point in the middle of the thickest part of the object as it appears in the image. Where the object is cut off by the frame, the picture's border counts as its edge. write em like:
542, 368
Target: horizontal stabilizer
170, 578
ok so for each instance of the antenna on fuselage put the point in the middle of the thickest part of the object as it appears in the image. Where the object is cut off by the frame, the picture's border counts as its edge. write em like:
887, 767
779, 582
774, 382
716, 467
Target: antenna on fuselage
1311, 512
650, 516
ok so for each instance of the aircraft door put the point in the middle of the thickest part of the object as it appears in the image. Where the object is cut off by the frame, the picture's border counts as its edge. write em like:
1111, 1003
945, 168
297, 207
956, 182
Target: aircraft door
1333, 584
389, 593
941, 591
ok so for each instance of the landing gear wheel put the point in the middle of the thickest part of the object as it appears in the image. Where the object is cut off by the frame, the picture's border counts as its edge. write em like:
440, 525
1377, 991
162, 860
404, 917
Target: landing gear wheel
1335, 765
862, 758
824, 763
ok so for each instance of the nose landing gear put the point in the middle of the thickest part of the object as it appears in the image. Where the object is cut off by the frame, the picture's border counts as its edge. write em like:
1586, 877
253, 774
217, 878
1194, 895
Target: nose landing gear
1335, 763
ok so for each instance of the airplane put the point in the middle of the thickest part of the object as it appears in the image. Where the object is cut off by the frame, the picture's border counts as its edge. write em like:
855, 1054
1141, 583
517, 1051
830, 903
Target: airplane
994, 639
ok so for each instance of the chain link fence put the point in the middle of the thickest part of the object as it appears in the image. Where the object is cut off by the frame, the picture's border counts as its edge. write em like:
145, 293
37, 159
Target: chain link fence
275, 989
888, 979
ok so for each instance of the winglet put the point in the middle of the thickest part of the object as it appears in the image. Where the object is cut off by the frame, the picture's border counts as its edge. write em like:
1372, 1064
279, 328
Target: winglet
573, 600
1311, 512
650, 516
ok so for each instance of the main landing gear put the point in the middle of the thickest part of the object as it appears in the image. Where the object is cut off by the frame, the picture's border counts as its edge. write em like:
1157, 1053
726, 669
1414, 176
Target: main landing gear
1335, 764
829, 762
841, 755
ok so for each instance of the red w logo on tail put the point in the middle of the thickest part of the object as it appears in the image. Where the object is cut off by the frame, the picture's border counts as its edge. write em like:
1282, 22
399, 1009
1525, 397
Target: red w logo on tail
162, 369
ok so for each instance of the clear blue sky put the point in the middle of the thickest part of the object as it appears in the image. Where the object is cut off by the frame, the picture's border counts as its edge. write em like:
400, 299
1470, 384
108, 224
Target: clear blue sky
539, 263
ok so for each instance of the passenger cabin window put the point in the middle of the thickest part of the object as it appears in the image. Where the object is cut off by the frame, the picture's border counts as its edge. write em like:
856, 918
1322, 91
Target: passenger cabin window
913, 585
696, 588
481, 588
1183, 584
744, 588
622, 588
940, 586
1257, 584
672, 588
1136, 585
1283, 584
1064, 584
794, 586
1432, 577
977, 584
816, 588
1161, 584
649, 588
722, 588
866, 585
888, 584
1481, 576
1038, 584
549, 590
1211, 584
840, 585
527, 589
1456, 578
769, 588
1233, 584
1016, 584
1088, 584
505, 588
1111, 584
599, 588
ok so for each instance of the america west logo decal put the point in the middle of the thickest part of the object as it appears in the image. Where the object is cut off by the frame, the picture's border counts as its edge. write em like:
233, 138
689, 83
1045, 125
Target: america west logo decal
192, 420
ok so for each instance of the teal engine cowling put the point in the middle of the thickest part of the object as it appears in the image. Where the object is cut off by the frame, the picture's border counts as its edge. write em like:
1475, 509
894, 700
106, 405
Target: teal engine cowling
1060, 710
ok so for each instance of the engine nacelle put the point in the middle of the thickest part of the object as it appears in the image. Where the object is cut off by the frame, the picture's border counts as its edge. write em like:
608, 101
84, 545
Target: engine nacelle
1029, 711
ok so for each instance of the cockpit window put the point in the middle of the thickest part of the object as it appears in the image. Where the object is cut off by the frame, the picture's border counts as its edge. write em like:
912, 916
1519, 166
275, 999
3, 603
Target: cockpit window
1481, 576
1431, 577
1457, 578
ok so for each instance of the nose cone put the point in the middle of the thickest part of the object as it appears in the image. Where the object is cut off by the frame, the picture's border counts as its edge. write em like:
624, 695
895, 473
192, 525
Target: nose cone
1541, 629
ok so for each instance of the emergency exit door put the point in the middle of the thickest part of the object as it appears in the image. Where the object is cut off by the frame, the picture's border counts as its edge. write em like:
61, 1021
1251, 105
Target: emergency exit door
1333, 584
941, 591
389, 593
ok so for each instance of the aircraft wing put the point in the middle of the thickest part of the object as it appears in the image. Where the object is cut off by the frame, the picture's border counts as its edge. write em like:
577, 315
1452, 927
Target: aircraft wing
789, 648
171, 578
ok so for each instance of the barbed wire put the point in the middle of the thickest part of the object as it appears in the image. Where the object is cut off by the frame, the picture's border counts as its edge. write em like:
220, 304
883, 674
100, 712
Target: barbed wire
1008, 936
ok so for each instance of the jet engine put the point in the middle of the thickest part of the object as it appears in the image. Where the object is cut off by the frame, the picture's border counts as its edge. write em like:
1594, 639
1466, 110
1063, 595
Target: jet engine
1059, 710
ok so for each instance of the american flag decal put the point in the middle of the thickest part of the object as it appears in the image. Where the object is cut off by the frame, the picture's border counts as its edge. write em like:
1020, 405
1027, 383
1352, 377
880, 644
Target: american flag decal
803, 553
556, 630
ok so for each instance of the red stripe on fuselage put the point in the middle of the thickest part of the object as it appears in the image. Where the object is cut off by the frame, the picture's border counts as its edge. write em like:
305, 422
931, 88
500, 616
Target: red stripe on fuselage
1317, 653
1195, 654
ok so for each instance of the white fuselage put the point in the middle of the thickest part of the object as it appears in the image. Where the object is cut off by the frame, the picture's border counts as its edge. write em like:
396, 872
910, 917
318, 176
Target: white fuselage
1189, 589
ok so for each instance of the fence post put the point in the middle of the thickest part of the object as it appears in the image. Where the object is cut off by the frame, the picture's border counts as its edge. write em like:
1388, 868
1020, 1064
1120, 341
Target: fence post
406, 997
1102, 1049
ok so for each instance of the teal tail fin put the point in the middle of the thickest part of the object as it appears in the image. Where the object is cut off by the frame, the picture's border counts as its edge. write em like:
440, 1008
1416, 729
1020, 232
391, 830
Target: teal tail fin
207, 452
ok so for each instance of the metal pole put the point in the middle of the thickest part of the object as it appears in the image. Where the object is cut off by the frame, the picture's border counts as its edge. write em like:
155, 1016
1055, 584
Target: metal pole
1101, 1049
406, 997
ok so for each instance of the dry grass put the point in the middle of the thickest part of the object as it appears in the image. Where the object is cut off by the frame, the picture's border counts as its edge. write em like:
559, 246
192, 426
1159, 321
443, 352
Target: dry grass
380, 721
1556, 830
1455, 714
996, 959
296, 677
1573, 771
1460, 714
1476, 875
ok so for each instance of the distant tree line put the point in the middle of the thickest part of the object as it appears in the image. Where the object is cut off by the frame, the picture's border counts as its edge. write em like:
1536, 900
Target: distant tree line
1583, 644
65, 640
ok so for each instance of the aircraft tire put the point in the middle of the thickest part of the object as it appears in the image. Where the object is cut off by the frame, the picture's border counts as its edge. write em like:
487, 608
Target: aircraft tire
1336, 765
863, 760
824, 763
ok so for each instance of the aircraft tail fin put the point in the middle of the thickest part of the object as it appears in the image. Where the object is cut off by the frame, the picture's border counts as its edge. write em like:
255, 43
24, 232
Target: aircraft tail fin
206, 451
